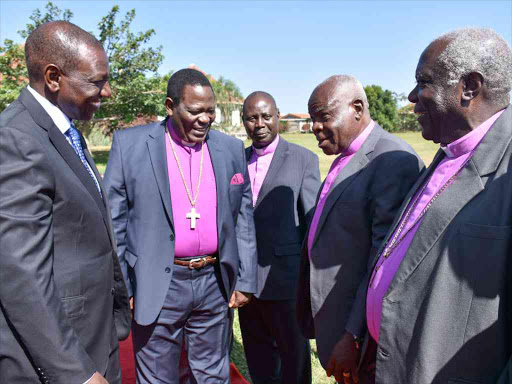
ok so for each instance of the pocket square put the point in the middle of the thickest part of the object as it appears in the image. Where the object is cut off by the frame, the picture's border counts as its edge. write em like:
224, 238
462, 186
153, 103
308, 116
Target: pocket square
237, 179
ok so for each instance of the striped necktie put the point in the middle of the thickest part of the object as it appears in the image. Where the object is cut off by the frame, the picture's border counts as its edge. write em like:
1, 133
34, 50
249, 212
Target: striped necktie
74, 138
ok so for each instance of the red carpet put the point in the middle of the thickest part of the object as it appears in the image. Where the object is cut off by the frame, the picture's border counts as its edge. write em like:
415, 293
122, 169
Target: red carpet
128, 365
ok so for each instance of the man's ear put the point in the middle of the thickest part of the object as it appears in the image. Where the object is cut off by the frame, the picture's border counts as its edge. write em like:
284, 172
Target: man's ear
358, 106
278, 114
52, 77
472, 85
169, 105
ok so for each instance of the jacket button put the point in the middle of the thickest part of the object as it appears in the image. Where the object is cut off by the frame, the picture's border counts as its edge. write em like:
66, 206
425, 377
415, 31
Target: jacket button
167, 270
171, 237
113, 290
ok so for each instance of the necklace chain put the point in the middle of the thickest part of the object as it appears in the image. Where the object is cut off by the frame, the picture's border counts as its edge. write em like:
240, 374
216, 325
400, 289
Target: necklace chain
395, 241
192, 200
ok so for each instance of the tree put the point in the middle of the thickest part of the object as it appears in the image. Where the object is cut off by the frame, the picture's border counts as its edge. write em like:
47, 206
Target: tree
13, 70
137, 88
407, 119
383, 107
52, 13
227, 94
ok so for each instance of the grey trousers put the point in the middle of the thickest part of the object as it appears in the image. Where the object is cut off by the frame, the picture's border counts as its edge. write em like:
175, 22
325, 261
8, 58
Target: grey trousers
194, 311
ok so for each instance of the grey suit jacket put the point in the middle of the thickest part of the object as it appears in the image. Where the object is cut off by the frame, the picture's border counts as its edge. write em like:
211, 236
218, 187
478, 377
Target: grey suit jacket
281, 213
61, 286
361, 206
137, 185
447, 315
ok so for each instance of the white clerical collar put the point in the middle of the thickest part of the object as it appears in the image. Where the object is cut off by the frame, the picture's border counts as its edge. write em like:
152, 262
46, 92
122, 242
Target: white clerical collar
59, 118
269, 148
447, 151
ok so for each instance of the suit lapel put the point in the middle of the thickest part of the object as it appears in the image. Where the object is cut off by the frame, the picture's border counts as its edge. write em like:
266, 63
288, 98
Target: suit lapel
65, 149
273, 171
417, 185
219, 169
466, 186
158, 158
347, 175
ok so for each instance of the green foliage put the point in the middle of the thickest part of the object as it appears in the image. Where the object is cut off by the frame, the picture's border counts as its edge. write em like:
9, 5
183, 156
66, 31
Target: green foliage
137, 89
13, 72
52, 13
407, 120
227, 95
283, 126
383, 107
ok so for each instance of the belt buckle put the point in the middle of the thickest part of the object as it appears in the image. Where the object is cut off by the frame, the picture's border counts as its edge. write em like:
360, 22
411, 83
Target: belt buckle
195, 261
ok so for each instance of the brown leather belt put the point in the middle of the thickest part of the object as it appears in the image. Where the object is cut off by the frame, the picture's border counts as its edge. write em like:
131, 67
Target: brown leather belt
196, 263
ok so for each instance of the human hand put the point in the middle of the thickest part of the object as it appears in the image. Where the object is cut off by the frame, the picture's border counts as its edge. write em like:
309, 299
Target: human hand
239, 299
343, 361
131, 303
97, 379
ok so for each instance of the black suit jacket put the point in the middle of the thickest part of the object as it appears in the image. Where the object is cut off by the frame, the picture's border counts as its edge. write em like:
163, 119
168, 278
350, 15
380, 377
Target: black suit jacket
60, 282
281, 213
358, 211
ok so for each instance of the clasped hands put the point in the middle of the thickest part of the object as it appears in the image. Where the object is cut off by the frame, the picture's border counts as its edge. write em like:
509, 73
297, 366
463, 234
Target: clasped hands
344, 360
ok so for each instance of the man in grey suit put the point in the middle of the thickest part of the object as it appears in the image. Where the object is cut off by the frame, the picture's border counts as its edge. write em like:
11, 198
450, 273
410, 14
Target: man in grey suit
439, 303
357, 203
284, 179
183, 218
63, 302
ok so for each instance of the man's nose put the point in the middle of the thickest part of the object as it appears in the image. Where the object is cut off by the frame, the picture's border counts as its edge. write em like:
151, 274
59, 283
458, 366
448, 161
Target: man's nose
259, 122
317, 127
106, 91
413, 96
204, 118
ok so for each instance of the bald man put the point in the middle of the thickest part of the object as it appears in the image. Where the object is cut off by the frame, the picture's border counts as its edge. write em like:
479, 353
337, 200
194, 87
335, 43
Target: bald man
439, 304
368, 180
284, 180
63, 302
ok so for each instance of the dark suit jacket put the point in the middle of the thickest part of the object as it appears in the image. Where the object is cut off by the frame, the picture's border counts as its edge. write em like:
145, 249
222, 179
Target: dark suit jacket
447, 315
363, 201
286, 197
137, 185
60, 281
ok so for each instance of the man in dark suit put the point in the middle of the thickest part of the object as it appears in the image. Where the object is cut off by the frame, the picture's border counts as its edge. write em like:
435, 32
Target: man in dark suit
284, 179
63, 302
439, 303
183, 218
357, 203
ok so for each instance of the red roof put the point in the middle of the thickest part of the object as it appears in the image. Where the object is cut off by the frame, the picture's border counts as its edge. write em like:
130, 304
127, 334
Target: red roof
296, 116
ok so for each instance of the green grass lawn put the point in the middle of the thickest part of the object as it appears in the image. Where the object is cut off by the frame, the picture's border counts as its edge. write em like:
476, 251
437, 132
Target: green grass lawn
425, 149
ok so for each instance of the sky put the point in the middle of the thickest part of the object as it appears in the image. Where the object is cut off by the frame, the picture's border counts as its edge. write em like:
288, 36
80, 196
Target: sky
286, 48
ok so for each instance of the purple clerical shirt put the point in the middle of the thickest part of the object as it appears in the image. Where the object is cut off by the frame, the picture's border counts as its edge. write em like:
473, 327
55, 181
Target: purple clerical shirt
259, 164
338, 164
202, 240
458, 154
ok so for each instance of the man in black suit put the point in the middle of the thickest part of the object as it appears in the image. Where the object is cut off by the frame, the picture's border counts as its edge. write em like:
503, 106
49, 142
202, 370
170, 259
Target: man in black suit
285, 180
62, 295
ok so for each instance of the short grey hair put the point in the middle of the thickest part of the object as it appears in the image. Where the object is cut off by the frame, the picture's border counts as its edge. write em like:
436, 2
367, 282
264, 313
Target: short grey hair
478, 50
350, 87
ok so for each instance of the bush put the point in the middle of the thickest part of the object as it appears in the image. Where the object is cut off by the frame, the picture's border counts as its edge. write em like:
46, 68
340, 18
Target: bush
283, 127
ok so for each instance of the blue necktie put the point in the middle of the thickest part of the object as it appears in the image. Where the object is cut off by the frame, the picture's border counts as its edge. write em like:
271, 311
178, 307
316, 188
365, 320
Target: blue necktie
74, 137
